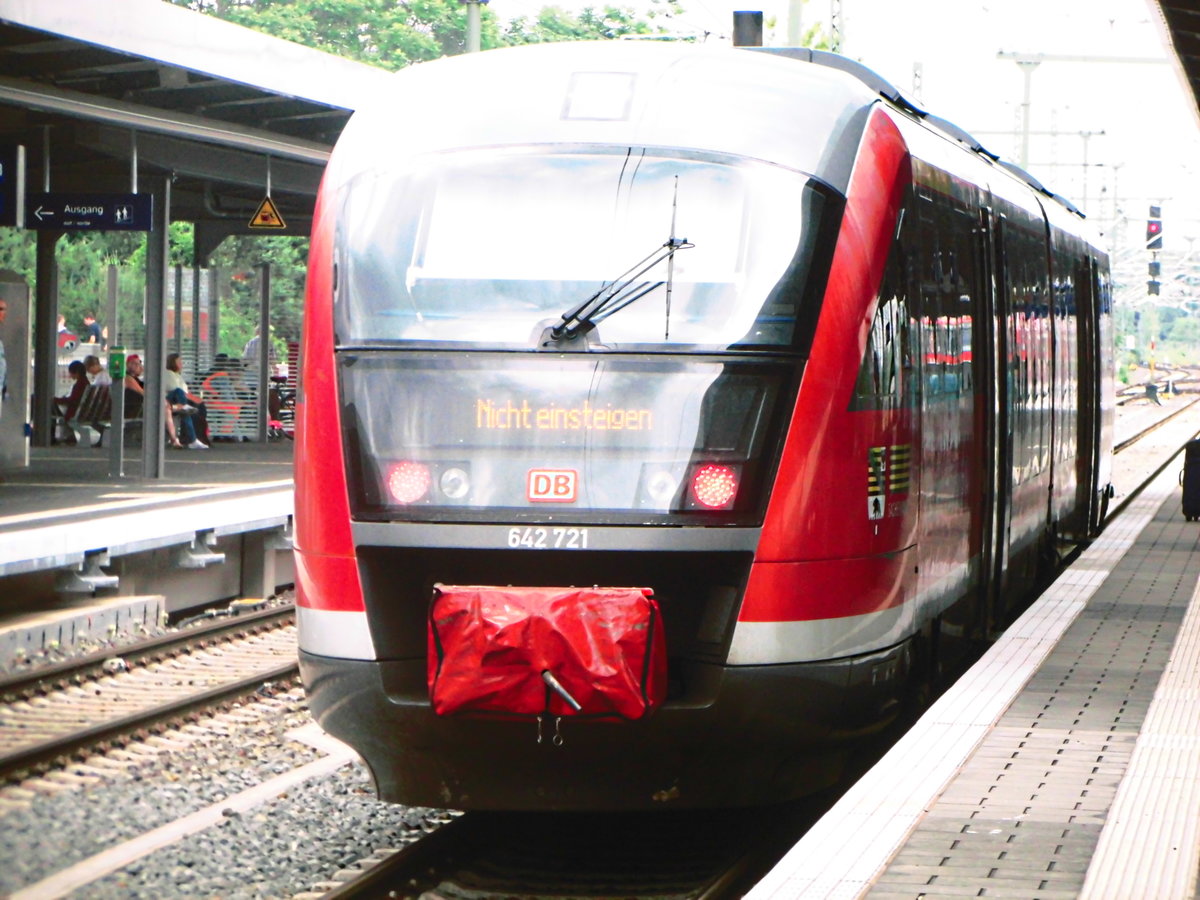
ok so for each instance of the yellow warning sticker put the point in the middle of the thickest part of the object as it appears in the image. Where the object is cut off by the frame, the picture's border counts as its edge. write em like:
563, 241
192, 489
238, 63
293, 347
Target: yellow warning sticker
267, 216
898, 470
887, 477
876, 471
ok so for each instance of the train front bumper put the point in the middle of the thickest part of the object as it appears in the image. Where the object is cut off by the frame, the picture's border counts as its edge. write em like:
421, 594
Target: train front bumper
736, 736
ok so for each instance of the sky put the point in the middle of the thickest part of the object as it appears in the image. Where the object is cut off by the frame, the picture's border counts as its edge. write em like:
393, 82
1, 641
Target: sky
1132, 123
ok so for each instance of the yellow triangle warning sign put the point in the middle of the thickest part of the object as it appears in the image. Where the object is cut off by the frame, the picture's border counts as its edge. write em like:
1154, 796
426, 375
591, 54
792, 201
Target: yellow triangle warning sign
267, 216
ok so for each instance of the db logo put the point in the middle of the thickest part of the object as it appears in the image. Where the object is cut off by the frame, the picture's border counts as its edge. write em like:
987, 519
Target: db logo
552, 485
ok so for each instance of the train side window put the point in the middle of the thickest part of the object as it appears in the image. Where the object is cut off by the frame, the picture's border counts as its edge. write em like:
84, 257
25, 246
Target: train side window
886, 368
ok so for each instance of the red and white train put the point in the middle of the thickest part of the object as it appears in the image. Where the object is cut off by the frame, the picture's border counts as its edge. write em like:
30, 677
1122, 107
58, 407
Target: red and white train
667, 413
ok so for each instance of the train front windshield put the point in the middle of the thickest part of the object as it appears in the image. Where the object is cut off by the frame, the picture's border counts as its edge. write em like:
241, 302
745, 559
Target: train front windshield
484, 252
489, 248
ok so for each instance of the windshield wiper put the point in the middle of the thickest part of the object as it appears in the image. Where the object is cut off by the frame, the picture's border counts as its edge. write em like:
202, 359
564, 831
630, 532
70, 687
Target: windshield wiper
613, 296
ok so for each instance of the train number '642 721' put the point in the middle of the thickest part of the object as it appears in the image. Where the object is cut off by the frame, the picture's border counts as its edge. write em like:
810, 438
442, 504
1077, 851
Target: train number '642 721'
548, 538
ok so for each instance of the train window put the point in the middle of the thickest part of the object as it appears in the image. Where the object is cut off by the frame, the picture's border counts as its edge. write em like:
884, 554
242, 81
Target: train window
885, 374
492, 248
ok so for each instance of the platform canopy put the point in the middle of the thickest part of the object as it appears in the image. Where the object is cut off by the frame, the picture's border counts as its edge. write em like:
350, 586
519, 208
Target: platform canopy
114, 97
1181, 20
89, 83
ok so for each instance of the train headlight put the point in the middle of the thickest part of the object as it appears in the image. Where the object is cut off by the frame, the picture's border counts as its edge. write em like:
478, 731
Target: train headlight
408, 481
714, 486
455, 483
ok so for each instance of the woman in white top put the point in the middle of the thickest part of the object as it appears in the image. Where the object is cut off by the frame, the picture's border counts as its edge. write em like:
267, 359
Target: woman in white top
182, 400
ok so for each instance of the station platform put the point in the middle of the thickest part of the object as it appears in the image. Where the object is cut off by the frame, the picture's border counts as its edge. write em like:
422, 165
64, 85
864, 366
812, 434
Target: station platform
218, 524
1064, 764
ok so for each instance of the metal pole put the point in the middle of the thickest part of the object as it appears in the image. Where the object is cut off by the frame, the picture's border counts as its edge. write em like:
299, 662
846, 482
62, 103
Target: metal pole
264, 344
178, 284
116, 445
202, 360
1027, 67
795, 34
474, 25
747, 28
214, 312
153, 459
45, 354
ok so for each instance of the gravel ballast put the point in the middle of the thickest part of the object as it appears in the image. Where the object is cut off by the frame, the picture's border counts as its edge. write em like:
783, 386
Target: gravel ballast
278, 849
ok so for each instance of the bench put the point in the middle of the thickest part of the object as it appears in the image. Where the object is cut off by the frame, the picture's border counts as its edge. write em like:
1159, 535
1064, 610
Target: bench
93, 417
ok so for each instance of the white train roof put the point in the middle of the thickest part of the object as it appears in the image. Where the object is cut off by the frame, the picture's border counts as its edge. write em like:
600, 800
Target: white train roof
615, 93
756, 103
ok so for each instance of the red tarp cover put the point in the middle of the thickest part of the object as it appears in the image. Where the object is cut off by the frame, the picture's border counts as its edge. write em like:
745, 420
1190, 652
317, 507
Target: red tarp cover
489, 648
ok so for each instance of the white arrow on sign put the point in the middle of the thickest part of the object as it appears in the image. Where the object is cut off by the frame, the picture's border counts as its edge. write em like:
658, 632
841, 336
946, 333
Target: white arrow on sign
42, 212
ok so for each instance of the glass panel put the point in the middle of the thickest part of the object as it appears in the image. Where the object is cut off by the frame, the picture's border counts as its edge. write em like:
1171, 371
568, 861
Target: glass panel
493, 248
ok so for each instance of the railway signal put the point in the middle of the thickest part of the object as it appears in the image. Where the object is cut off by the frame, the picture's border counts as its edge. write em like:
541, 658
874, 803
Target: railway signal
1154, 229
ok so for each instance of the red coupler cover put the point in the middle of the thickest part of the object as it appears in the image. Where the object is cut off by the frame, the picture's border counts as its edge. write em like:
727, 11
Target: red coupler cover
489, 648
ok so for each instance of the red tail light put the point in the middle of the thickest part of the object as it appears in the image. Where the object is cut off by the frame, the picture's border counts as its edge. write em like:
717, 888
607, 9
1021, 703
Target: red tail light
714, 486
408, 481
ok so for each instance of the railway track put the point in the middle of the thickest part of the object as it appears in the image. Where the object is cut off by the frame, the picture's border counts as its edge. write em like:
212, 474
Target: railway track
1154, 426
686, 855
54, 713
1148, 445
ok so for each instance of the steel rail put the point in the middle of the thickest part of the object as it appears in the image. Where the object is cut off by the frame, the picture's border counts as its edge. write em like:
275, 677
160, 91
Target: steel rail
44, 753
81, 668
1117, 448
1145, 483
420, 861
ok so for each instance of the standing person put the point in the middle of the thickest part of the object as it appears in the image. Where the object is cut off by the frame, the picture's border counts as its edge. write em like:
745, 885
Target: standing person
250, 355
92, 333
179, 396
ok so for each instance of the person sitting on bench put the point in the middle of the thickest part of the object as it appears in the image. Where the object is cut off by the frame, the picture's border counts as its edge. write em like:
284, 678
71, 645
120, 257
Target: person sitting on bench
135, 395
183, 401
70, 403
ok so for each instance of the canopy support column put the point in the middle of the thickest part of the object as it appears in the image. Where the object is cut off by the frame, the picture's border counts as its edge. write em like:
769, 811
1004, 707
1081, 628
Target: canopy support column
157, 241
45, 350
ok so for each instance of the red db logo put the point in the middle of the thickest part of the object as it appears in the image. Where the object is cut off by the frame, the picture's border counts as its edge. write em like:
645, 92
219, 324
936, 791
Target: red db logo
552, 485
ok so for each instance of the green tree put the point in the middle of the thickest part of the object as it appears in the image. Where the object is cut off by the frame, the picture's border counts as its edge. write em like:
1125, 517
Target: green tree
554, 23
391, 34
238, 260
1185, 332
385, 33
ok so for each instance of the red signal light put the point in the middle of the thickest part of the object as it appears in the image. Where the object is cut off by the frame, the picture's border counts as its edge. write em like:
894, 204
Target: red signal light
408, 481
1154, 229
714, 486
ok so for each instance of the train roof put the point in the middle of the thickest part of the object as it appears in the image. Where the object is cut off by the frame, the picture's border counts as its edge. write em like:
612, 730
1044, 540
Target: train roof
750, 102
889, 92
631, 93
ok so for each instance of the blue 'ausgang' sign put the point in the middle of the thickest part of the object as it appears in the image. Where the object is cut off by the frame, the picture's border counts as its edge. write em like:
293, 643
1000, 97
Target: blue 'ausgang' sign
89, 212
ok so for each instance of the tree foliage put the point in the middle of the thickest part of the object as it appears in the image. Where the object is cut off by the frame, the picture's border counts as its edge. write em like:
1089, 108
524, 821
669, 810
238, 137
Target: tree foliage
392, 34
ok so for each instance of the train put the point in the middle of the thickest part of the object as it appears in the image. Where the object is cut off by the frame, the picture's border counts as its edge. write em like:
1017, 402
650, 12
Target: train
670, 415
